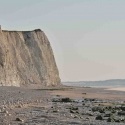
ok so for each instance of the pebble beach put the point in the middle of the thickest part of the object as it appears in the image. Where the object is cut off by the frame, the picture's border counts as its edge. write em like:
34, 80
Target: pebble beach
61, 106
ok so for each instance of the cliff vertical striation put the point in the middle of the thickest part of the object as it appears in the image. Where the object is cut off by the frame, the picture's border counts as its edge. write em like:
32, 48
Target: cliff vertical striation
26, 57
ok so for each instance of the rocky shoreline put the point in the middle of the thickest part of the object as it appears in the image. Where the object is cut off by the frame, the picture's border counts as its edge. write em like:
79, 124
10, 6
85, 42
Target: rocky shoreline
19, 106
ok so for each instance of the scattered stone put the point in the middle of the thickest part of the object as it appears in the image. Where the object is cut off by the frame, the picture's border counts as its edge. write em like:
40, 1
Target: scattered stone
99, 117
19, 106
66, 100
18, 119
9, 114
6, 112
73, 111
110, 119
97, 108
55, 111
107, 114
74, 108
123, 108
121, 113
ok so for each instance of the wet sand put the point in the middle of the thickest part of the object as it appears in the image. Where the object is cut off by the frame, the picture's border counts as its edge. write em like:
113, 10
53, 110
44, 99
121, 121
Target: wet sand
117, 89
86, 92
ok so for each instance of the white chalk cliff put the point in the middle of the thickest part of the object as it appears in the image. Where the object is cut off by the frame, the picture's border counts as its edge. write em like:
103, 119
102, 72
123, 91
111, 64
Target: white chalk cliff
26, 57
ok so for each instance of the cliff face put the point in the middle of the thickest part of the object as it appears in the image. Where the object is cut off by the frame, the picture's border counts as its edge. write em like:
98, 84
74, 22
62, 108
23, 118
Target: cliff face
26, 57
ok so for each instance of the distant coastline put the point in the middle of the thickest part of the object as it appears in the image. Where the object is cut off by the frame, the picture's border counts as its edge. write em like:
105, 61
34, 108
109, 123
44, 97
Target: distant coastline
111, 84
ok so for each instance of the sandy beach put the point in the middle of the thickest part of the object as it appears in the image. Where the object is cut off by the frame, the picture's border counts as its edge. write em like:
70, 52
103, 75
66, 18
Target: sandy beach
117, 89
87, 92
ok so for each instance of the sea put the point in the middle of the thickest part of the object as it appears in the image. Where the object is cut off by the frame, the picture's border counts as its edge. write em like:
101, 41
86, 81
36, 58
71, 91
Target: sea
113, 83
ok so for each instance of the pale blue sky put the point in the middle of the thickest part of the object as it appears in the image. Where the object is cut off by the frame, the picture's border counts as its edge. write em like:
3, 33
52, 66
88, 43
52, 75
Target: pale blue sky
87, 36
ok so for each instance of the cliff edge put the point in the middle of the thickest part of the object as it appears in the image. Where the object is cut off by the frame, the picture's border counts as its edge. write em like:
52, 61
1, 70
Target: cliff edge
26, 57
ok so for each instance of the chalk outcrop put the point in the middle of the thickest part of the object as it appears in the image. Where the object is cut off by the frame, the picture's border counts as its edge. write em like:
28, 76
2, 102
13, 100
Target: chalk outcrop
26, 57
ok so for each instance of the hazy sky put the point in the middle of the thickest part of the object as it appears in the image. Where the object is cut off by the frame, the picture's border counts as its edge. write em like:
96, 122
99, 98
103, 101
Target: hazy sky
87, 36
